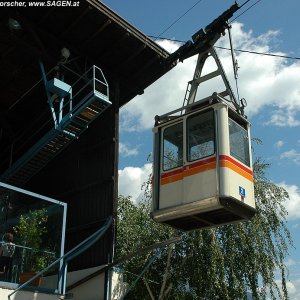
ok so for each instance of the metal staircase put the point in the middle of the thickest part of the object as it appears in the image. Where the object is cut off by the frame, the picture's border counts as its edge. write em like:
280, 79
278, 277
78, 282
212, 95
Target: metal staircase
73, 108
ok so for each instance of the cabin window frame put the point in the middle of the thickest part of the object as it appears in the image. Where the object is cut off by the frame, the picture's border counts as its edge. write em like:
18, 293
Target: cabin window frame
180, 162
244, 158
214, 146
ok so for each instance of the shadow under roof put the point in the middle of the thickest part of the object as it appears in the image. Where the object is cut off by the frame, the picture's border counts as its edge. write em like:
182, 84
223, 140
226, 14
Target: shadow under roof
92, 32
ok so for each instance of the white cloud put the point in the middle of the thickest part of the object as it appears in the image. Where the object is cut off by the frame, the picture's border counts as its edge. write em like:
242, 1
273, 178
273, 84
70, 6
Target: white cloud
126, 150
283, 118
291, 262
165, 95
279, 144
293, 204
263, 81
131, 180
291, 288
291, 154
294, 289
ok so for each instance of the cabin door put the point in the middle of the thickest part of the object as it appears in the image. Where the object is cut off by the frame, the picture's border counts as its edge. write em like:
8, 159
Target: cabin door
200, 175
171, 175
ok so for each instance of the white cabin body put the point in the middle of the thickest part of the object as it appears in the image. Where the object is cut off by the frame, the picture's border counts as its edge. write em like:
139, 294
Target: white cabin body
202, 170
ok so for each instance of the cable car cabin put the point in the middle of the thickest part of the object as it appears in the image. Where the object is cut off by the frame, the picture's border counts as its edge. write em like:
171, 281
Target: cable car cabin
202, 172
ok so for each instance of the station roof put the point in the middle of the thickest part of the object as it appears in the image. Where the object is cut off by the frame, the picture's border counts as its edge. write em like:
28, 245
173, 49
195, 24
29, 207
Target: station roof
94, 35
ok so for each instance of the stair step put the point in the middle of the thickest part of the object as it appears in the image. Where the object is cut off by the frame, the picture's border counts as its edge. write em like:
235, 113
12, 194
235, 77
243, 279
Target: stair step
73, 128
80, 122
88, 114
72, 125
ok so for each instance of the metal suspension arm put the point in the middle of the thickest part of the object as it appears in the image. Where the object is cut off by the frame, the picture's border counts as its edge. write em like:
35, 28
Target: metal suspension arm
204, 38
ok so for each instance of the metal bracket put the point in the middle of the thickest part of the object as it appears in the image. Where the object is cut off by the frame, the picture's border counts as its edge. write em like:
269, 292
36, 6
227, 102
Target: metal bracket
193, 85
56, 91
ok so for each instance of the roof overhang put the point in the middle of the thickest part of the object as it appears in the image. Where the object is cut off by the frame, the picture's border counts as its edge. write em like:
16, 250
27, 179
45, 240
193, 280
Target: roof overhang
92, 32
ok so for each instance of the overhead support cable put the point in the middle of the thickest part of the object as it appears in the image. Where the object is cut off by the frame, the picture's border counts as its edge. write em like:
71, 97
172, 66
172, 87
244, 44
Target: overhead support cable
245, 10
261, 53
165, 30
180, 17
237, 50
245, 3
234, 63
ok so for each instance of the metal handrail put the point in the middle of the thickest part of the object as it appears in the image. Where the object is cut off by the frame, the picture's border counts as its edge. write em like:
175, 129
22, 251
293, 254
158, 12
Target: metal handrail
81, 247
150, 262
29, 248
88, 81
122, 259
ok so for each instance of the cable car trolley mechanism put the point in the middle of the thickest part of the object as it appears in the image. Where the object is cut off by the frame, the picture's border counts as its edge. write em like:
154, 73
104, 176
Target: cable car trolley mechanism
202, 168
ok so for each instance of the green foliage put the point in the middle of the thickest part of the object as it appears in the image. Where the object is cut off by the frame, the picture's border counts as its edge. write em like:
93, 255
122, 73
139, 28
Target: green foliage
30, 230
220, 263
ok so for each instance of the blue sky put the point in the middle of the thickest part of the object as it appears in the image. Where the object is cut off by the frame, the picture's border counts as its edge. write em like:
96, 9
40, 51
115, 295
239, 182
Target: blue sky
270, 85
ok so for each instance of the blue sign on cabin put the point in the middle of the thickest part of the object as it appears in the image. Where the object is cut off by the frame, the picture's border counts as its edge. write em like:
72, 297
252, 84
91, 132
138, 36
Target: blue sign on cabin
242, 191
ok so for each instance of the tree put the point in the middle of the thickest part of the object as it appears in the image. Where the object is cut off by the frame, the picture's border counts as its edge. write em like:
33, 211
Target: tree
30, 229
226, 262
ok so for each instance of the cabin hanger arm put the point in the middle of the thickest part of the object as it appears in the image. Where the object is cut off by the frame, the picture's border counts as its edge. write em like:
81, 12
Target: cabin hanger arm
205, 38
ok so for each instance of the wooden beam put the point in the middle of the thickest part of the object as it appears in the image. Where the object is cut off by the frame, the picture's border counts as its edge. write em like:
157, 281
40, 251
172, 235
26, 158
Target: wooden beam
99, 30
77, 20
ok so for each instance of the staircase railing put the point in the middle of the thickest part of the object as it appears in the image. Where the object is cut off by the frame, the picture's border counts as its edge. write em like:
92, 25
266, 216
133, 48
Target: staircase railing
73, 107
121, 260
66, 258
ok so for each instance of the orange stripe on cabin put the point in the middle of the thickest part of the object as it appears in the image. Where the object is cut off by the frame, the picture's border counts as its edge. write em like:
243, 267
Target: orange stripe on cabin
195, 170
234, 167
172, 173
205, 165
172, 178
239, 165
192, 169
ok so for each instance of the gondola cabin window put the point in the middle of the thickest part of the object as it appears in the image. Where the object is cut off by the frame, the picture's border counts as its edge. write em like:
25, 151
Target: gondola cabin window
239, 142
173, 147
201, 135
